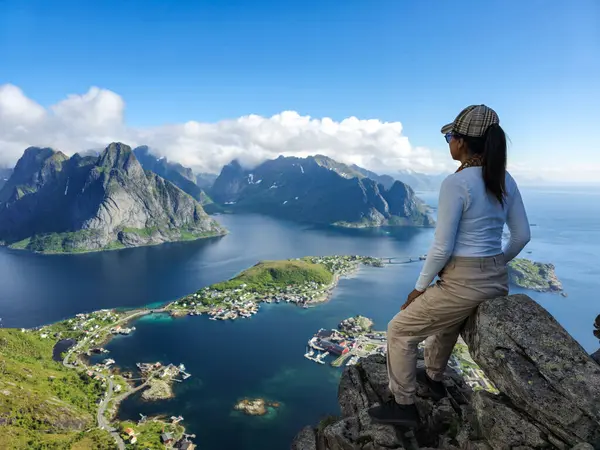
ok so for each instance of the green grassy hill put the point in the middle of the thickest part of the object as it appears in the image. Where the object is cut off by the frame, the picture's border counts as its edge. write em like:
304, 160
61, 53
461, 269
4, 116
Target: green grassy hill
44, 405
278, 274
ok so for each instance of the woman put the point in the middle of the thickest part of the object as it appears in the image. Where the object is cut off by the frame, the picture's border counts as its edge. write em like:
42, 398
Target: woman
467, 254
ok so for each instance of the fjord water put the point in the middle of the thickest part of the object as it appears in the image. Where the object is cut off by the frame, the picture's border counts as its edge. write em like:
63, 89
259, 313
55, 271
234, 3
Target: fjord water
262, 356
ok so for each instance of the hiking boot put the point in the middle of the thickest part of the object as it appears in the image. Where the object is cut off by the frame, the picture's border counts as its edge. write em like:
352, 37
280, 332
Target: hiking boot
433, 389
391, 413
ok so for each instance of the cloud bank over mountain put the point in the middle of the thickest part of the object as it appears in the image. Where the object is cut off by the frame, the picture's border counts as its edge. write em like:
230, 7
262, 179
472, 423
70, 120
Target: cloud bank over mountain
92, 120
96, 118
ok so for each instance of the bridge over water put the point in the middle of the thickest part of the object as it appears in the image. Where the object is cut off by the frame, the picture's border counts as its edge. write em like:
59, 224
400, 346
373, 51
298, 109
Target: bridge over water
402, 259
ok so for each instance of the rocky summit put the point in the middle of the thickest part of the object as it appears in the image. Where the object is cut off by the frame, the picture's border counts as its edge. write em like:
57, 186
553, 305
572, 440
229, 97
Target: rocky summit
549, 392
319, 190
53, 203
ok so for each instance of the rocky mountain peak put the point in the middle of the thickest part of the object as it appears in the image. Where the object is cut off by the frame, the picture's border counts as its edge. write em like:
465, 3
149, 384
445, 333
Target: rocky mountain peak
35, 158
549, 392
36, 167
121, 157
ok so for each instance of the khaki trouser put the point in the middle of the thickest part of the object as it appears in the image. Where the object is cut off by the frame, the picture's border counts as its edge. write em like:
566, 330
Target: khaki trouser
437, 317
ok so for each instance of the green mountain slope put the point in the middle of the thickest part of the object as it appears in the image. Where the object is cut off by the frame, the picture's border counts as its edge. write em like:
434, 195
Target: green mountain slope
44, 405
278, 274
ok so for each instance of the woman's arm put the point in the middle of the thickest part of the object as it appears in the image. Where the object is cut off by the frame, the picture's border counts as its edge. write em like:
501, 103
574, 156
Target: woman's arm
518, 226
452, 201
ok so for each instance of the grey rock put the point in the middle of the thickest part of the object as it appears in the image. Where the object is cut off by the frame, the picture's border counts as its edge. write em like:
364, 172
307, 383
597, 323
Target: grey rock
503, 427
583, 446
596, 356
305, 440
532, 360
358, 432
180, 176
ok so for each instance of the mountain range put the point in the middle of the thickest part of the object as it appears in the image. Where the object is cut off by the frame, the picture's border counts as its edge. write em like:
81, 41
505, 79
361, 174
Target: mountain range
420, 181
52, 203
320, 190
121, 197
180, 176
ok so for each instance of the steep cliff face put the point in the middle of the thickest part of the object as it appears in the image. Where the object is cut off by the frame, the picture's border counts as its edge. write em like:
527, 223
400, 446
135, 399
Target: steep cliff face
56, 204
180, 176
319, 190
550, 392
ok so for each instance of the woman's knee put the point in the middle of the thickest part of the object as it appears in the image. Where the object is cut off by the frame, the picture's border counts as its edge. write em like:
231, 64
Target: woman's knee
396, 326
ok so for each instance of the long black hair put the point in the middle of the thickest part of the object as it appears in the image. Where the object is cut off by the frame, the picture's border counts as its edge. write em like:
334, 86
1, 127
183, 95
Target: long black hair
492, 148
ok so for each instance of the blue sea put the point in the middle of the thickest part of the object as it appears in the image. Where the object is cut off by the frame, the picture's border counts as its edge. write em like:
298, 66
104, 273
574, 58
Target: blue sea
262, 356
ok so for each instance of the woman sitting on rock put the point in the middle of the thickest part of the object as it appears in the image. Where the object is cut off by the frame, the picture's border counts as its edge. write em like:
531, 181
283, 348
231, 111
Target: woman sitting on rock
467, 255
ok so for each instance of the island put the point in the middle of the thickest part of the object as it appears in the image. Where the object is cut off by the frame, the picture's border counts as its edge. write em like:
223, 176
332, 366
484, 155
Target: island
534, 275
302, 281
255, 406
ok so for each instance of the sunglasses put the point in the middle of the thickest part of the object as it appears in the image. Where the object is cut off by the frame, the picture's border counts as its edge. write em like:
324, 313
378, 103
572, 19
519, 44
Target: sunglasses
449, 137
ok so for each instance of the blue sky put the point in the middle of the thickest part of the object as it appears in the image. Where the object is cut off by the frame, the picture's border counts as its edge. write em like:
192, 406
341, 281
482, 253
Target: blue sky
415, 62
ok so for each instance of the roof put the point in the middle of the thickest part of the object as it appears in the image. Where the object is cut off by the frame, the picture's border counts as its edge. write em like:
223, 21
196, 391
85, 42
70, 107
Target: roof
129, 430
166, 437
184, 444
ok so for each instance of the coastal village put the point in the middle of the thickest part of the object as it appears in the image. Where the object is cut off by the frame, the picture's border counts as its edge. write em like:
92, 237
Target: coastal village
241, 297
304, 282
81, 339
80, 344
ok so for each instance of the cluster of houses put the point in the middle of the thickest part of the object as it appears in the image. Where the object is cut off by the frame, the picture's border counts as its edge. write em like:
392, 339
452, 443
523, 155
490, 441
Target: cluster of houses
342, 265
331, 341
166, 438
234, 310
354, 326
241, 302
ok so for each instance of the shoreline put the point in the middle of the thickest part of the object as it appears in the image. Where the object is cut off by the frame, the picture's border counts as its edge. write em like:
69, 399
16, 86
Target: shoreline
116, 249
94, 330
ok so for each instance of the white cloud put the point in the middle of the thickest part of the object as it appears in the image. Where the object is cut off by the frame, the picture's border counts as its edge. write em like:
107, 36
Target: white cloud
96, 118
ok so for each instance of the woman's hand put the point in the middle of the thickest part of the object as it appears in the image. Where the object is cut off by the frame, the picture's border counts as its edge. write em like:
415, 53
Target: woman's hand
411, 298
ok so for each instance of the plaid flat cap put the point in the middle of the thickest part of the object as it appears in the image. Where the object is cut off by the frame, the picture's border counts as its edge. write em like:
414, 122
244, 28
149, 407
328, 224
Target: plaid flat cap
472, 121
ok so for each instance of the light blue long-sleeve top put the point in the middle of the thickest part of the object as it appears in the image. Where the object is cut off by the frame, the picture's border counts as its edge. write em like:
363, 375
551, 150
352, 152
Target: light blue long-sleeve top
471, 220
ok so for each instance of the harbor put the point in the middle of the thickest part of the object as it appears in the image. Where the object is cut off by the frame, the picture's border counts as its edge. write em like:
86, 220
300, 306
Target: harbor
349, 343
